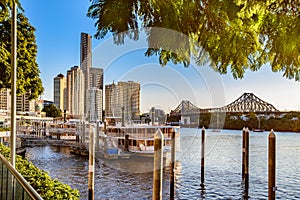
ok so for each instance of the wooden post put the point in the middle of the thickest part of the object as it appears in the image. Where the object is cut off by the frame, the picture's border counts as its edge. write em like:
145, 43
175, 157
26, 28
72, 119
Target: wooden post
105, 130
45, 128
243, 153
172, 170
97, 136
126, 145
123, 116
91, 177
246, 161
153, 115
158, 165
202, 155
272, 166
83, 132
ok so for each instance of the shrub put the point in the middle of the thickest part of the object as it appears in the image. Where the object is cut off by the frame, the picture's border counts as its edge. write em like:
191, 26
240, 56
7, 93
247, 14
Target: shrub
40, 180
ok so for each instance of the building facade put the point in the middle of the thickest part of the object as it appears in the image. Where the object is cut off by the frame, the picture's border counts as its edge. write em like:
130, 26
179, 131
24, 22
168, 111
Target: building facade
123, 95
95, 95
86, 63
58, 92
75, 91
5, 99
95, 106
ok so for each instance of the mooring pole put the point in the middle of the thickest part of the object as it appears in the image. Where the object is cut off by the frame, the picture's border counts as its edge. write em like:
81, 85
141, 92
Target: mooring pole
158, 165
97, 136
83, 132
91, 178
243, 153
172, 175
202, 156
246, 161
272, 166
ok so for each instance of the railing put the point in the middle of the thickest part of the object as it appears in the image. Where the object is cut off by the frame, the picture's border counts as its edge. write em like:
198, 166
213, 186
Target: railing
12, 183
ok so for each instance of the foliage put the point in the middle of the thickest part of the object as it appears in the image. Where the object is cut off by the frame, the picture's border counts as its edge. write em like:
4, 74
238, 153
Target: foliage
229, 35
28, 74
40, 180
4, 129
52, 111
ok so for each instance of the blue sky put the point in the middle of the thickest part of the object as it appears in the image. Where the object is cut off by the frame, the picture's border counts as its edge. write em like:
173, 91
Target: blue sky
58, 26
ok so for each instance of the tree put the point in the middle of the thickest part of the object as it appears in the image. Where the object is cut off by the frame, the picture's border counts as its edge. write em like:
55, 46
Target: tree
229, 35
28, 74
52, 111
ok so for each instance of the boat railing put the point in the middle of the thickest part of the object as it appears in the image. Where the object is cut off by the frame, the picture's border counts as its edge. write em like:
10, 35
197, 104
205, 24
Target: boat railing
13, 185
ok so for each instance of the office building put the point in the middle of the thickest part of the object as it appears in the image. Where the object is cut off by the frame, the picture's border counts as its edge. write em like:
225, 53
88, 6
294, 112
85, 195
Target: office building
86, 62
75, 91
123, 95
23, 103
95, 95
58, 92
5, 99
95, 105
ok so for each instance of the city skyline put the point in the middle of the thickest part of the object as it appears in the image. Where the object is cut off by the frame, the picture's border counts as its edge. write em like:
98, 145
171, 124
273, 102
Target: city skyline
58, 40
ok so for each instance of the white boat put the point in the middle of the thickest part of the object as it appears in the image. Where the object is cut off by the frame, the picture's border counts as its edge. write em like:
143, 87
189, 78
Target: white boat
138, 139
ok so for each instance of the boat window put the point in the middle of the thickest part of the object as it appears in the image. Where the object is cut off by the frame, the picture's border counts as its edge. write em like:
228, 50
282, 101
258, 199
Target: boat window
168, 142
150, 142
134, 143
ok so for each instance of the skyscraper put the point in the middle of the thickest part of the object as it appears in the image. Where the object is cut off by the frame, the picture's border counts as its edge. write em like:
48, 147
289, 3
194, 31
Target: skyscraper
59, 89
123, 95
75, 91
85, 52
95, 95
86, 63
94, 107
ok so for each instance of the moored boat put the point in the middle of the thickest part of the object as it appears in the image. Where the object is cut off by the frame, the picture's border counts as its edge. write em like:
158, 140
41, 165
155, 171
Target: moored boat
138, 139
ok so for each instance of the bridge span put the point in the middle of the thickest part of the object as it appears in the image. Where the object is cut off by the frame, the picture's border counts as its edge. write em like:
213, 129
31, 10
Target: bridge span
248, 102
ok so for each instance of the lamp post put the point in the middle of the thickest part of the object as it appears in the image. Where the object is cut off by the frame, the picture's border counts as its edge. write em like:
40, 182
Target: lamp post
13, 84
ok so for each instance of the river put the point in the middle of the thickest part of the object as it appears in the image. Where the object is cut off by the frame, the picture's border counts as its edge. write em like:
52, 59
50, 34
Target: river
132, 178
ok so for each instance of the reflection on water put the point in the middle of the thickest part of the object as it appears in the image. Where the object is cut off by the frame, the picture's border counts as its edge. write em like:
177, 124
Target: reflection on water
132, 179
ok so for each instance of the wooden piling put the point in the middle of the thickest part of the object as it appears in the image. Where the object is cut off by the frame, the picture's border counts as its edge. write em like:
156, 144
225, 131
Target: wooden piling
97, 137
158, 165
172, 167
91, 176
126, 145
105, 129
243, 153
202, 155
246, 161
83, 132
272, 166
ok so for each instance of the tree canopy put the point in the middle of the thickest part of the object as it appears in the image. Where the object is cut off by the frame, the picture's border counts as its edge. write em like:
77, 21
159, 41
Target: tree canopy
28, 73
230, 35
52, 111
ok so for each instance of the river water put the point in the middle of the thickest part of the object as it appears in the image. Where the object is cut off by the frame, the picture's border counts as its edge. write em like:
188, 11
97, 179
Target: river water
132, 178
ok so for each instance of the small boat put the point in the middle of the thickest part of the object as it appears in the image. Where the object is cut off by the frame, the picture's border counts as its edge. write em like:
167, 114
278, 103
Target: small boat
258, 130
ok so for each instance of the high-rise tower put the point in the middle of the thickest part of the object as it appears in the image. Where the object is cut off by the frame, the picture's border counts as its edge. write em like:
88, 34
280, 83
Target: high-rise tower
124, 95
75, 91
59, 89
86, 63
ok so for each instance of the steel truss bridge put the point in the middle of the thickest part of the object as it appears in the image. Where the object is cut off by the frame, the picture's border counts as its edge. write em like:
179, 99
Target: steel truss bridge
248, 102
